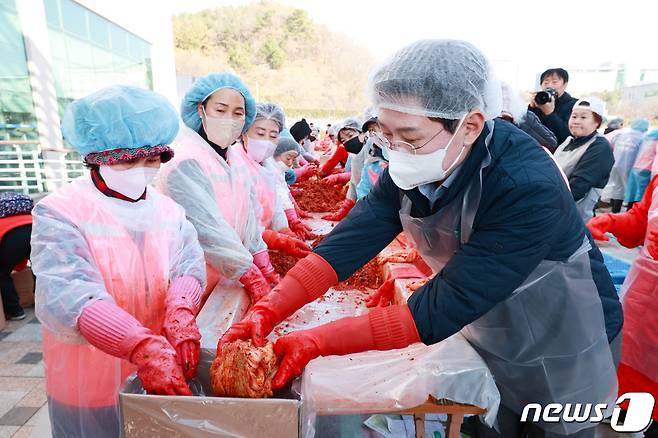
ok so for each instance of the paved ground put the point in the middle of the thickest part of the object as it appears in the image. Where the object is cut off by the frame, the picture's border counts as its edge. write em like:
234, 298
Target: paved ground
23, 407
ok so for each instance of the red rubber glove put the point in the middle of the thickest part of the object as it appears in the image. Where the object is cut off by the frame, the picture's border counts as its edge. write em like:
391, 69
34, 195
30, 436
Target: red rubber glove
116, 332
652, 243
262, 260
158, 367
385, 294
307, 280
255, 284
413, 287
629, 228
300, 213
384, 328
599, 225
286, 244
348, 204
286, 231
305, 172
302, 230
181, 306
338, 179
401, 256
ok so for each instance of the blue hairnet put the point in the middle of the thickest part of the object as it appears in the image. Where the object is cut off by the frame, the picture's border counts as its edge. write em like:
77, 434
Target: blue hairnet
207, 85
119, 117
641, 125
286, 144
652, 135
271, 111
286, 134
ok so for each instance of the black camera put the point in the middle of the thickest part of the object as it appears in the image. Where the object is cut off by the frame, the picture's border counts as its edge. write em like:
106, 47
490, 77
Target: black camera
545, 96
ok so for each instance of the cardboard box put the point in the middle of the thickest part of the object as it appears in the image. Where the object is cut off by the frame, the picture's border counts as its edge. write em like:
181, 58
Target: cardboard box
205, 415
24, 282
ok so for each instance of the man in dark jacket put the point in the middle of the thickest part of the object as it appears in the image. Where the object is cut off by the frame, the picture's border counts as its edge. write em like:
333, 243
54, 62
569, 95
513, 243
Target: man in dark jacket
516, 271
555, 113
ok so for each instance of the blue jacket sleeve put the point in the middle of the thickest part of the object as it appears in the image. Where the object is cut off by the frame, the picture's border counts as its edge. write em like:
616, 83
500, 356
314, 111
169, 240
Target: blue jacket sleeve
511, 237
557, 125
368, 228
290, 177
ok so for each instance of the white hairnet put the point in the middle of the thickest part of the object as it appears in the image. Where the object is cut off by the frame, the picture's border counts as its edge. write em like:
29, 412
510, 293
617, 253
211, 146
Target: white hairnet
271, 111
437, 78
350, 123
512, 103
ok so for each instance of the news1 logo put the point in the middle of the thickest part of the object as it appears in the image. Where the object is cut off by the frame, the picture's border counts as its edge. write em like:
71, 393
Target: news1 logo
637, 419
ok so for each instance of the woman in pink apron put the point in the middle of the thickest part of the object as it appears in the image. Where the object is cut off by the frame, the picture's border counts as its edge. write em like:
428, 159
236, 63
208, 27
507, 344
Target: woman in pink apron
638, 370
119, 268
209, 177
278, 214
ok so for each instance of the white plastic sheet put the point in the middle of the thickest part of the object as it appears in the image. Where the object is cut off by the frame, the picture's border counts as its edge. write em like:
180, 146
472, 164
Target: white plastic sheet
388, 381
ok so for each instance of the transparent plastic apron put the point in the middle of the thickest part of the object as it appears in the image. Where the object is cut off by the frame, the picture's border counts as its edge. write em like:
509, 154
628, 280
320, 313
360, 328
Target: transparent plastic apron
544, 344
568, 161
639, 297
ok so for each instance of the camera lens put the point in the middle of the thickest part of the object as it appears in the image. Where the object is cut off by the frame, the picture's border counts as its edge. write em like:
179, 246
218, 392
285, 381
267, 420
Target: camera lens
542, 97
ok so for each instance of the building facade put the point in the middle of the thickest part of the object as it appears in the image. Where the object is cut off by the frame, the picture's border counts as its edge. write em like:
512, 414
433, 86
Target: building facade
55, 51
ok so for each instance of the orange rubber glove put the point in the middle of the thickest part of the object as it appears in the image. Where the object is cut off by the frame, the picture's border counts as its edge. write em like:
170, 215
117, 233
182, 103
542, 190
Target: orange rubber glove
384, 328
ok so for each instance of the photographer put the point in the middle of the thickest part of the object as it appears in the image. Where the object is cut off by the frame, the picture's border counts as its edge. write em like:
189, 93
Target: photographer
553, 105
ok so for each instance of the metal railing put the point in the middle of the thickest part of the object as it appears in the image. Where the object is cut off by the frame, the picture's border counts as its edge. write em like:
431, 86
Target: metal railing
26, 168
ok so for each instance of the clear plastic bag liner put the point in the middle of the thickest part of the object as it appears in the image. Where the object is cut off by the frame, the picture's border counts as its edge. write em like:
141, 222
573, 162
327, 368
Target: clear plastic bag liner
225, 306
206, 416
389, 381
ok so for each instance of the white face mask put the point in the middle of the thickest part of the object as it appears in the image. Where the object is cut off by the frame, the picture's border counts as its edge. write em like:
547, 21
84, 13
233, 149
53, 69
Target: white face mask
260, 150
282, 166
221, 131
130, 182
409, 171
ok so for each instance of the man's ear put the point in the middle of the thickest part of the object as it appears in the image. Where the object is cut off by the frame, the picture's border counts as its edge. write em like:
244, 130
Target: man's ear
473, 126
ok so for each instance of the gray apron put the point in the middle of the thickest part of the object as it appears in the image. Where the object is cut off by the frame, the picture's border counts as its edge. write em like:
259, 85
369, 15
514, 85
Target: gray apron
568, 161
547, 342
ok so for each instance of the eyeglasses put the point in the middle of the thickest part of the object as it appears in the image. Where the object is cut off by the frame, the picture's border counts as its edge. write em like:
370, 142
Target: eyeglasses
400, 145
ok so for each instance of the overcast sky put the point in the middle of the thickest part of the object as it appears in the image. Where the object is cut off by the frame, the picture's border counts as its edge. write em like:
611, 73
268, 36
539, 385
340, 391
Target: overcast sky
521, 37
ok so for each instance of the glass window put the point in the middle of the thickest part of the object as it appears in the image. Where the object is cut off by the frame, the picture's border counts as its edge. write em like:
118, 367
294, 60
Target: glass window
119, 40
99, 30
17, 120
135, 47
75, 18
52, 13
8, 5
107, 54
